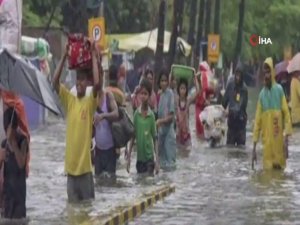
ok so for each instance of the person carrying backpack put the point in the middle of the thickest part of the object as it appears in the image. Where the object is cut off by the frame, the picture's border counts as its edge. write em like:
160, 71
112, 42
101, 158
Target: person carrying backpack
105, 158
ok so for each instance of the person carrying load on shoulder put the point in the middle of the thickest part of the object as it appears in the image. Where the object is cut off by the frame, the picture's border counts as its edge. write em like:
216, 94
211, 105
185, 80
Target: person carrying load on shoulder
105, 155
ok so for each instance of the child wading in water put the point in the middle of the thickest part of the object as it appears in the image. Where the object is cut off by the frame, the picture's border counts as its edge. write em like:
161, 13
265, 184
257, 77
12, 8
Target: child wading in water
165, 124
145, 134
14, 150
183, 102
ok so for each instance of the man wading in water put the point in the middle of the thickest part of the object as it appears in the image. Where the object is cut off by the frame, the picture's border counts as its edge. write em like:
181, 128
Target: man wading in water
273, 120
80, 110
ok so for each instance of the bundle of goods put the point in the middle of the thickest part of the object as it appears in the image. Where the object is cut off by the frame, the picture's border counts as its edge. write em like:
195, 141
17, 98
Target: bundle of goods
10, 27
79, 52
35, 47
213, 118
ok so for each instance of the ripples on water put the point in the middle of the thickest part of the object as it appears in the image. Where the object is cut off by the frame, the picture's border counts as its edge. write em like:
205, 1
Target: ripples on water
46, 186
217, 186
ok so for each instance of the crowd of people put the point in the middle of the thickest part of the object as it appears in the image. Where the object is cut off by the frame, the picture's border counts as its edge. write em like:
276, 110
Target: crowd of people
161, 122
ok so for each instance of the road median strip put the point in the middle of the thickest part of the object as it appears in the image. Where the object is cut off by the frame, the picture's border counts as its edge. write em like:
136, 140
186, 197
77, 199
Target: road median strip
129, 213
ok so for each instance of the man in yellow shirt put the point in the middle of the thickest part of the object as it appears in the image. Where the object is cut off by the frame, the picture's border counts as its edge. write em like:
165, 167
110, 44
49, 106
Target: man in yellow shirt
79, 111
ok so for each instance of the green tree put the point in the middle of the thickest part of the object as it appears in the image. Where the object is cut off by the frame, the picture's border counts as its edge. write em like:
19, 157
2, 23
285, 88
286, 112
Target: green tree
37, 13
278, 20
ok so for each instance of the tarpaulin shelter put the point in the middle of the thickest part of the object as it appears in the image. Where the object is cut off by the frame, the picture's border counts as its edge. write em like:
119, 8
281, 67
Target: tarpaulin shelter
148, 39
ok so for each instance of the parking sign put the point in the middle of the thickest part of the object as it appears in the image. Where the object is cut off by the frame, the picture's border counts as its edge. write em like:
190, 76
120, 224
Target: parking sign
97, 31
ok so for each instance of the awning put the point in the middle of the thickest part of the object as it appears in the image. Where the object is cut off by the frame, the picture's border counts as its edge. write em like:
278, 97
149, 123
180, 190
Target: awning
148, 39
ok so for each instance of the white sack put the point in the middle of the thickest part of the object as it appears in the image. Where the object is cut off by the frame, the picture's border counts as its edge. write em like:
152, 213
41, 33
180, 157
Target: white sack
213, 119
10, 25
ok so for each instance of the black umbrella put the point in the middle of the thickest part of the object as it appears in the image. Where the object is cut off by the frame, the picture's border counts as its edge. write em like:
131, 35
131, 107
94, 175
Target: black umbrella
24, 78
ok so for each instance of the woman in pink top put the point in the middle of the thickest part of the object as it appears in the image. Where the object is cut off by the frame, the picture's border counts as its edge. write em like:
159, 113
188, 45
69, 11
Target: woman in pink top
136, 100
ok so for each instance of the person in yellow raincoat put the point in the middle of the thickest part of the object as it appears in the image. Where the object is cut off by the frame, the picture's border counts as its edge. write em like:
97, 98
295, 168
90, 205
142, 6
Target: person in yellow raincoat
273, 121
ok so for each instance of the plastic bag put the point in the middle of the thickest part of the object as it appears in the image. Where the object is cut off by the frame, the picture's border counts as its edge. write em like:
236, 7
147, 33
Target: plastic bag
79, 54
10, 25
35, 47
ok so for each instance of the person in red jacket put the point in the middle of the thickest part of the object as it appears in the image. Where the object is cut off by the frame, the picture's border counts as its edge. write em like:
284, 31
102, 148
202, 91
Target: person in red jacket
202, 100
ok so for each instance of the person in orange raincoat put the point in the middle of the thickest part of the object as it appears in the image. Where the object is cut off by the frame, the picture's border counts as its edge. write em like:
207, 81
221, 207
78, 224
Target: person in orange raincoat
273, 121
12, 100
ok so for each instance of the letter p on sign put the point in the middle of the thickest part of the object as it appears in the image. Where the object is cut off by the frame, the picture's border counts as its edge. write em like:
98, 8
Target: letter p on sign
97, 31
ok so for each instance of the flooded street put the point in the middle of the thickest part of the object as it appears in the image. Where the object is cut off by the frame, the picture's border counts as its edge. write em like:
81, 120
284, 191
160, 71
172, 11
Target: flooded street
85, 59
213, 186
217, 186
46, 186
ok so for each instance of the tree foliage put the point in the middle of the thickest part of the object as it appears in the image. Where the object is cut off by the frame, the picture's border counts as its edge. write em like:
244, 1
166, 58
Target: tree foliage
275, 19
36, 13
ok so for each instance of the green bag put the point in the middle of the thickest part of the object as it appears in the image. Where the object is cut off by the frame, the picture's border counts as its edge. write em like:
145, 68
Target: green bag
182, 72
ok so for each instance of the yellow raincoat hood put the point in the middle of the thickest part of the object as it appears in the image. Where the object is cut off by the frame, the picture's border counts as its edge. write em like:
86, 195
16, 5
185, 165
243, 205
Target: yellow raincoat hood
269, 62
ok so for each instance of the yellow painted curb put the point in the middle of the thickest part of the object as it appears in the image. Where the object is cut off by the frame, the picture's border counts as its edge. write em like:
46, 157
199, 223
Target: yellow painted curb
131, 212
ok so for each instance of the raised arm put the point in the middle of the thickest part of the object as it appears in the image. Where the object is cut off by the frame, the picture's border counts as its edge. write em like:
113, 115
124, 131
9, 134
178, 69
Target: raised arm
58, 71
96, 75
192, 98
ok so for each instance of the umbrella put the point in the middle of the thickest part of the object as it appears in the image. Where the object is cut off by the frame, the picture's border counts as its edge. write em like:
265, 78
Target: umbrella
22, 77
281, 70
294, 64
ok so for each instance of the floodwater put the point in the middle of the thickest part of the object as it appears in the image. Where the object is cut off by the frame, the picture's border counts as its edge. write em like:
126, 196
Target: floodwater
218, 186
213, 186
46, 186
